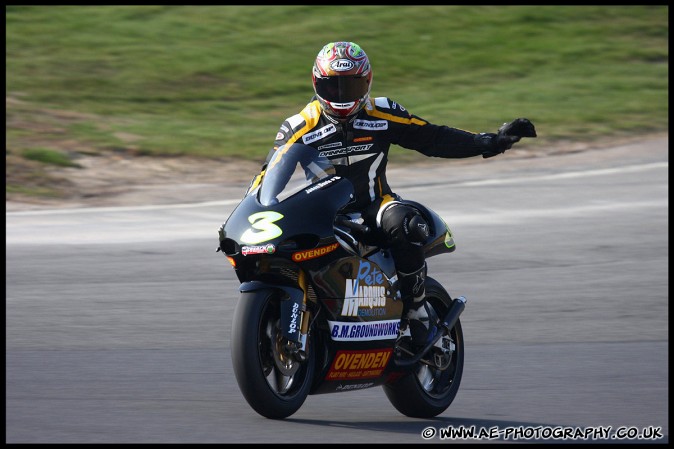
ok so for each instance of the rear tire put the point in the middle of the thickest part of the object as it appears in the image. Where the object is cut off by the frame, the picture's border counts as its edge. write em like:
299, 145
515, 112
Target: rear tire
426, 392
274, 384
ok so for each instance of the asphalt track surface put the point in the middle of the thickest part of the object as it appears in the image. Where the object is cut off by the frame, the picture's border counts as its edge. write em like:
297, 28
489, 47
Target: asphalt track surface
118, 319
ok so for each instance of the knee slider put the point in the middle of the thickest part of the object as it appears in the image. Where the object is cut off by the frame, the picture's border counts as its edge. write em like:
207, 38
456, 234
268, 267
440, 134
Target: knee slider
417, 230
405, 226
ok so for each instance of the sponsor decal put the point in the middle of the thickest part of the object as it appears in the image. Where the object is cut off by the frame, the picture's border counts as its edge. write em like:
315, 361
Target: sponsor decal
284, 128
359, 364
279, 136
396, 105
371, 125
342, 387
342, 65
365, 295
322, 184
351, 149
363, 139
294, 315
262, 249
301, 256
372, 330
319, 134
330, 145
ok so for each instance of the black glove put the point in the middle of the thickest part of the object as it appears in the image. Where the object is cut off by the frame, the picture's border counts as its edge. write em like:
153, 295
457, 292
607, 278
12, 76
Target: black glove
508, 134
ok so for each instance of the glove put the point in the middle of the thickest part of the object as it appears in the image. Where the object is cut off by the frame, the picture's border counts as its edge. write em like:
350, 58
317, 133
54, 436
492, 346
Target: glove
509, 134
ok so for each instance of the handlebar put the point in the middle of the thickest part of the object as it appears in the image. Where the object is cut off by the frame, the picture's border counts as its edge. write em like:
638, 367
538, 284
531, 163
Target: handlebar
344, 221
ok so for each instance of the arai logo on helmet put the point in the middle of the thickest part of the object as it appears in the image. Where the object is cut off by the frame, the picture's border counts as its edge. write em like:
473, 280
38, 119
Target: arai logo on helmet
342, 65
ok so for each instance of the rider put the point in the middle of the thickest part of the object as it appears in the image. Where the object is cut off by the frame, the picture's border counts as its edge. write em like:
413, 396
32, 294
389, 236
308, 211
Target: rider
355, 131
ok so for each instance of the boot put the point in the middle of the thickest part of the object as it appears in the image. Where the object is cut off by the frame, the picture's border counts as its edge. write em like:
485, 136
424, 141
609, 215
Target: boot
422, 327
413, 290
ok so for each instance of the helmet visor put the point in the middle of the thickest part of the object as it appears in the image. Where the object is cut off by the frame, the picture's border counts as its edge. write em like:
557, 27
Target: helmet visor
342, 89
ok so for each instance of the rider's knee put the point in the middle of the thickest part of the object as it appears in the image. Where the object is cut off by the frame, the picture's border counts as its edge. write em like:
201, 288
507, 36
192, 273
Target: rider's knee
404, 226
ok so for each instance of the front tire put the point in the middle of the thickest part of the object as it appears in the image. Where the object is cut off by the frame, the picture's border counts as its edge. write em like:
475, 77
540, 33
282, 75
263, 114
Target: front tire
273, 383
426, 391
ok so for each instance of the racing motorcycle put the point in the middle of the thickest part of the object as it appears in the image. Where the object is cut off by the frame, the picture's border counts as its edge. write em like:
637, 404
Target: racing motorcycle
320, 309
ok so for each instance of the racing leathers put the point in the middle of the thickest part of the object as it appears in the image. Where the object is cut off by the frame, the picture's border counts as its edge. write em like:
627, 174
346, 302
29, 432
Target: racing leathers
359, 150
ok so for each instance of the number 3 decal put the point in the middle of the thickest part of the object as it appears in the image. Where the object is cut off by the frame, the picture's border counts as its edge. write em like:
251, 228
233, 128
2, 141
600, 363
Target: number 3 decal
263, 222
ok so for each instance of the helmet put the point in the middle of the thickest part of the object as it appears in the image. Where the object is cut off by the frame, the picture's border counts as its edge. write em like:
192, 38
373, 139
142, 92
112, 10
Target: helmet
342, 79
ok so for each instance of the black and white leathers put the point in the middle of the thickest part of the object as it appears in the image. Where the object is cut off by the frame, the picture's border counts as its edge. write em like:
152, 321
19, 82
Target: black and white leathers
359, 147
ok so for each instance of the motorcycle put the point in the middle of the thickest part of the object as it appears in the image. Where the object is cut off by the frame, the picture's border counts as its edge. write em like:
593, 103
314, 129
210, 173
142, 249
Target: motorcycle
320, 309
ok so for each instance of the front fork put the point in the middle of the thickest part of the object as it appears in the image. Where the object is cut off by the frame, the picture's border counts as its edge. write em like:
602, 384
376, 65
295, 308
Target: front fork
295, 319
295, 315
301, 354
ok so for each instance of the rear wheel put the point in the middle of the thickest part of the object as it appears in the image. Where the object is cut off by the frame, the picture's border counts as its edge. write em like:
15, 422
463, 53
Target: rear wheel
429, 389
273, 382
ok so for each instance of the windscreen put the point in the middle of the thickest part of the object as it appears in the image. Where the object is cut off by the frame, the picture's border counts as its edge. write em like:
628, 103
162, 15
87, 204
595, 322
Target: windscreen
291, 169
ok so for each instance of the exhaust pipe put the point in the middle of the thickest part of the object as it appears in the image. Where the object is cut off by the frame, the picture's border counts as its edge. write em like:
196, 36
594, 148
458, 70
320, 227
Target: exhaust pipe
452, 316
444, 327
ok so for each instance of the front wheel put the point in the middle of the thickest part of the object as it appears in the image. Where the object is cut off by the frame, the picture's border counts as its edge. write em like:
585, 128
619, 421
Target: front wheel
273, 382
427, 390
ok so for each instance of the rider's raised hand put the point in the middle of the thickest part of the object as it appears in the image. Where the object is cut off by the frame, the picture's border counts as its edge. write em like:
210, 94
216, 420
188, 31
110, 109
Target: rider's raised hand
520, 127
508, 134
